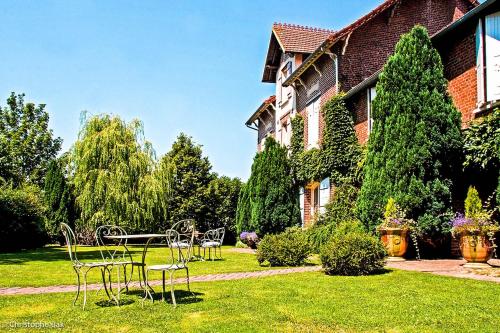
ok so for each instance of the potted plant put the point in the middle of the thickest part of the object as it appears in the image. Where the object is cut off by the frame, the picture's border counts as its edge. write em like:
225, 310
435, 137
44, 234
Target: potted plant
394, 231
476, 232
250, 239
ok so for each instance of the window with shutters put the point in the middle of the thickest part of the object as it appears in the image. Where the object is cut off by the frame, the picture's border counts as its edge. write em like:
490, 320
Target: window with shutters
371, 94
301, 201
313, 124
324, 194
488, 58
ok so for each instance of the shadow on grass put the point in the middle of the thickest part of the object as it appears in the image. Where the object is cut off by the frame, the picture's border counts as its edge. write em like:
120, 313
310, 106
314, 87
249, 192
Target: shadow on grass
377, 272
55, 253
181, 296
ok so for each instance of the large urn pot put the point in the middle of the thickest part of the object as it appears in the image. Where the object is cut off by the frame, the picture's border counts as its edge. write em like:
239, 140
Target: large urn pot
476, 249
395, 241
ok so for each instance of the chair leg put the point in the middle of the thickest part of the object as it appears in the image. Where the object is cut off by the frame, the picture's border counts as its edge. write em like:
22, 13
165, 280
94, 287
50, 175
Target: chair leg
78, 286
119, 286
147, 293
85, 289
163, 285
103, 275
187, 279
140, 276
125, 278
172, 287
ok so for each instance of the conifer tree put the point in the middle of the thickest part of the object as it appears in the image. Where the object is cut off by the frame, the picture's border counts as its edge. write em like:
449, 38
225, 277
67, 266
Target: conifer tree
268, 202
414, 147
191, 177
59, 200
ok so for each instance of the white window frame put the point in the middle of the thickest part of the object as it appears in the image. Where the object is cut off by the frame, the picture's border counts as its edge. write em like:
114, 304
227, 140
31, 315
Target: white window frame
302, 198
371, 93
492, 56
312, 110
324, 194
488, 59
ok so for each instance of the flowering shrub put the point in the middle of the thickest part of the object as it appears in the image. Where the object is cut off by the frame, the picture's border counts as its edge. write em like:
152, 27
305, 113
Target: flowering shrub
395, 217
250, 239
477, 220
461, 224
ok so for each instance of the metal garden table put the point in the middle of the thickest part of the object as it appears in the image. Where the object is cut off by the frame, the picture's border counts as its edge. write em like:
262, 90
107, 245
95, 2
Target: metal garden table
150, 238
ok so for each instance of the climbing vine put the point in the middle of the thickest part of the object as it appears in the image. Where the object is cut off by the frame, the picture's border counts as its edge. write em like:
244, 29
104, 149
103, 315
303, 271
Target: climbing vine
339, 153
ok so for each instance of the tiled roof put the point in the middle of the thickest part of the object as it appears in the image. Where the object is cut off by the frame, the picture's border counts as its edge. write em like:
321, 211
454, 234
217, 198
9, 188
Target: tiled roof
298, 38
343, 33
269, 101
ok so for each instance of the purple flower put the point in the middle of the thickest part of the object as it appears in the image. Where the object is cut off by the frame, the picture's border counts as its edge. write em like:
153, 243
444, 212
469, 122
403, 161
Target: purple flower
244, 235
396, 221
461, 221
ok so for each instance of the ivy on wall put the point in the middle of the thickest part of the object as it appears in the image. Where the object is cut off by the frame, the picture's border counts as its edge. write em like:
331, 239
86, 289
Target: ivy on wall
482, 145
339, 153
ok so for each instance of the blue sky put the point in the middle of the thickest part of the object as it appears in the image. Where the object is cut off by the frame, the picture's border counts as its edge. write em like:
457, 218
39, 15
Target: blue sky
190, 66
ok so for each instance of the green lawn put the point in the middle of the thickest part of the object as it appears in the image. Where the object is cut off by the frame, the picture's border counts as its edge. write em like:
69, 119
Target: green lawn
51, 266
397, 301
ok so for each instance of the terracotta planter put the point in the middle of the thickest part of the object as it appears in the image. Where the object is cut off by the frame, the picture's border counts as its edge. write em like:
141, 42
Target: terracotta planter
476, 249
395, 241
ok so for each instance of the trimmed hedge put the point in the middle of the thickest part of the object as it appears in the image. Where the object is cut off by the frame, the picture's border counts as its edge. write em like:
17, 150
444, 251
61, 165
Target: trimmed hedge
353, 254
290, 248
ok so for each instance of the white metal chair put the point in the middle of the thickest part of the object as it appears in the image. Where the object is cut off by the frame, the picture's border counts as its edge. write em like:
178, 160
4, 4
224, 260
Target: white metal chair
84, 267
186, 231
175, 261
212, 239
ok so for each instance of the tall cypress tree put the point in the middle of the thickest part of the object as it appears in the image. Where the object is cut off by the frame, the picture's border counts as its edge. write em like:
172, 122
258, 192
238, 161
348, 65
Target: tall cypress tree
59, 200
414, 147
269, 202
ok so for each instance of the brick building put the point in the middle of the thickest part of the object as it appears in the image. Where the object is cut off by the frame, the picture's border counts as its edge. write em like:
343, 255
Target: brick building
465, 33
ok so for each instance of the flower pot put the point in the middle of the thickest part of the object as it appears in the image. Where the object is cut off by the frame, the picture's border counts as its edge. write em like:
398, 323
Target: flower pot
476, 249
395, 241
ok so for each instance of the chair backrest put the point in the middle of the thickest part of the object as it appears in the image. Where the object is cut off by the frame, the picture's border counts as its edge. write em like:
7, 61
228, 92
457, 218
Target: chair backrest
71, 244
176, 255
112, 249
214, 235
220, 234
185, 236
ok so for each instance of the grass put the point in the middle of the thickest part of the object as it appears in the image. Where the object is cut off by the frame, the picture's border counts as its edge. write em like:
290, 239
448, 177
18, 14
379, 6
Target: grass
51, 265
397, 301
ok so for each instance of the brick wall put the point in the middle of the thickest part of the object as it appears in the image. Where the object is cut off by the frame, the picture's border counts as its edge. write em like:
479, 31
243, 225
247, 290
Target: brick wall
459, 61
369, 47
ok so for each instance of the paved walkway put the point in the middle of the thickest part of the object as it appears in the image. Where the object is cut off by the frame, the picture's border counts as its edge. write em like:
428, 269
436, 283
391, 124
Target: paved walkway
201, 278
451, 267
447, 267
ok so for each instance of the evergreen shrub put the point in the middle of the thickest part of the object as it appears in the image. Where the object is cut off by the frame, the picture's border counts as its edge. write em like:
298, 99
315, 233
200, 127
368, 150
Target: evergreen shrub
21, 218
289, 248
354, 253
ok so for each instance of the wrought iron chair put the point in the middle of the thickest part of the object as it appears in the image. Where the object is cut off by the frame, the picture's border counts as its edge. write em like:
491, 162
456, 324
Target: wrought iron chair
115, 251
176, 261
212, 239
84, 267
186, 231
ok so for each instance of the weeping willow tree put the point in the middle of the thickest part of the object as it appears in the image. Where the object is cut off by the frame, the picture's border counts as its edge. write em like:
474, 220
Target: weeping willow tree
115, 176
